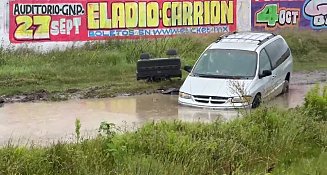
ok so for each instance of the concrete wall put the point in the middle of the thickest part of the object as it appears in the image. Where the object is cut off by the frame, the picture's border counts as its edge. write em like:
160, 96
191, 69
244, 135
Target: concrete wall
3, 35
244, 18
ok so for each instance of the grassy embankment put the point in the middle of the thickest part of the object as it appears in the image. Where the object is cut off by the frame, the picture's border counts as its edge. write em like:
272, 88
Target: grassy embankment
271, 140
109, 68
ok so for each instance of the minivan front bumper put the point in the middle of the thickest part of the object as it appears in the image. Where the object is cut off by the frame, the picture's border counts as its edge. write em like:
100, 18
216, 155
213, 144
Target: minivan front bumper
227, 105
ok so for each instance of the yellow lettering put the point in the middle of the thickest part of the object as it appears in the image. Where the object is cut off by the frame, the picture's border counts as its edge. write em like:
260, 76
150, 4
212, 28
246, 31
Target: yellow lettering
118, 15
176, 14
207, 12
187, 13
105, 23
24, 24
165, 19
142, 14
131, 14
93, 16
215, 12
198, 13
227, 12
152, 13
43, 31
23, 30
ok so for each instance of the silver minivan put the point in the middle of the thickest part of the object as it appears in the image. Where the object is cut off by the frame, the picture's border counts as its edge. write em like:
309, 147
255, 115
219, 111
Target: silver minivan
239, 70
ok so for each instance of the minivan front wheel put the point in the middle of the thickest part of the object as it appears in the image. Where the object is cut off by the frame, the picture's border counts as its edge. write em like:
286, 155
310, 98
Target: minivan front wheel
256, 101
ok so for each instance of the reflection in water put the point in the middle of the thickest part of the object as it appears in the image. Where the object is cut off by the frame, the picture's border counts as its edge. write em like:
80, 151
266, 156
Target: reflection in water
294, 98
206, 115
53, 120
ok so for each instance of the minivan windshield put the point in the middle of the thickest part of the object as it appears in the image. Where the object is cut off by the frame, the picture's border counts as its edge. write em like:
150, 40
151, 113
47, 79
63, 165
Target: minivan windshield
226, 63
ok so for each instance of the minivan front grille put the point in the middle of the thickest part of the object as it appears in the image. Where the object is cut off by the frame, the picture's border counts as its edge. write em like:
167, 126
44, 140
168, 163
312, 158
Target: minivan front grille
202, 101
210, 99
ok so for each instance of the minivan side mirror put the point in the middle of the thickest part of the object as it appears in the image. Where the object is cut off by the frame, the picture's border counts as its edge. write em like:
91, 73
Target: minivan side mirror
188, 68
265, 73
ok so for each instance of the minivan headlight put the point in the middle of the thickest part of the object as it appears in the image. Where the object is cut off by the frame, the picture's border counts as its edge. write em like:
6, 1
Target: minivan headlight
243, 99
184, 95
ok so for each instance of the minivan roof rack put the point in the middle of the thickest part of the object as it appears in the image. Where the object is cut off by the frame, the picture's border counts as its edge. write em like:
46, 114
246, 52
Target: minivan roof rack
266, 39
225, 35
260, 42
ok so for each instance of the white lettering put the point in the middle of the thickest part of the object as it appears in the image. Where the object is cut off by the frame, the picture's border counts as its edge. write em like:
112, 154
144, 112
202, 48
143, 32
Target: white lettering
54, 28
62, 26
77, 24
318, 20
69, 26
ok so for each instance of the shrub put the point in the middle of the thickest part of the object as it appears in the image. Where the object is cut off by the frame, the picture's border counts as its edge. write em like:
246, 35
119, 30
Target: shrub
316, 103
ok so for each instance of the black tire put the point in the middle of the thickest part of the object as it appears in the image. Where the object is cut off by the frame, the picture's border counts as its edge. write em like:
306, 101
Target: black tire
286, 87
256, 101
145, 56
171, 52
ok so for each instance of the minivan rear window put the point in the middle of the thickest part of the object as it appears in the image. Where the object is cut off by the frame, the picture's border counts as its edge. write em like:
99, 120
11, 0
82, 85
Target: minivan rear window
278, 52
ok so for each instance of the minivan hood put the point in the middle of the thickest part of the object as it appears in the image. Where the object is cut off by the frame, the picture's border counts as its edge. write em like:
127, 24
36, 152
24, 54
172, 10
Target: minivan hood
213, 86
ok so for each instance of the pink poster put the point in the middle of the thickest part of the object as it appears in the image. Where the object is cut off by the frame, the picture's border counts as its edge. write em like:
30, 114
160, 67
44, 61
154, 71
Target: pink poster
85, 20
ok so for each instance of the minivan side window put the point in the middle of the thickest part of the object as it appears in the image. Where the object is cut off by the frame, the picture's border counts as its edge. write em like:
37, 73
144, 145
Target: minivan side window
278, 52
264, 62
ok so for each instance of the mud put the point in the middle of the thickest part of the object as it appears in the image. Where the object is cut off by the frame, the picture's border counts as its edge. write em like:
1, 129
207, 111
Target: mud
298, 78
303, 78
48, 121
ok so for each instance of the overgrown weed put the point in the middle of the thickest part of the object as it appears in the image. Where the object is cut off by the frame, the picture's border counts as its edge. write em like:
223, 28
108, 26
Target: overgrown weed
112, 63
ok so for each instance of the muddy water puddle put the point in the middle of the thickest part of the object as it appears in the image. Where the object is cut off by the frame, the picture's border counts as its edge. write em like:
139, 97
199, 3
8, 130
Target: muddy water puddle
46, 121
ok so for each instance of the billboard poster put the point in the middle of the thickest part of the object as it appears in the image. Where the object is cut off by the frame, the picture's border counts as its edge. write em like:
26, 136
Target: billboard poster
275, 14
85, 20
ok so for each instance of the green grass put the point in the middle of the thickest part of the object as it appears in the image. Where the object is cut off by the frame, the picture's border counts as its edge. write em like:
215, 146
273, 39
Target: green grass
109, 67
309, 49
268, 140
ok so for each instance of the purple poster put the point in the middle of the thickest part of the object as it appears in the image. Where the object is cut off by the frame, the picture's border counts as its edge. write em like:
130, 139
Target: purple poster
277, 14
